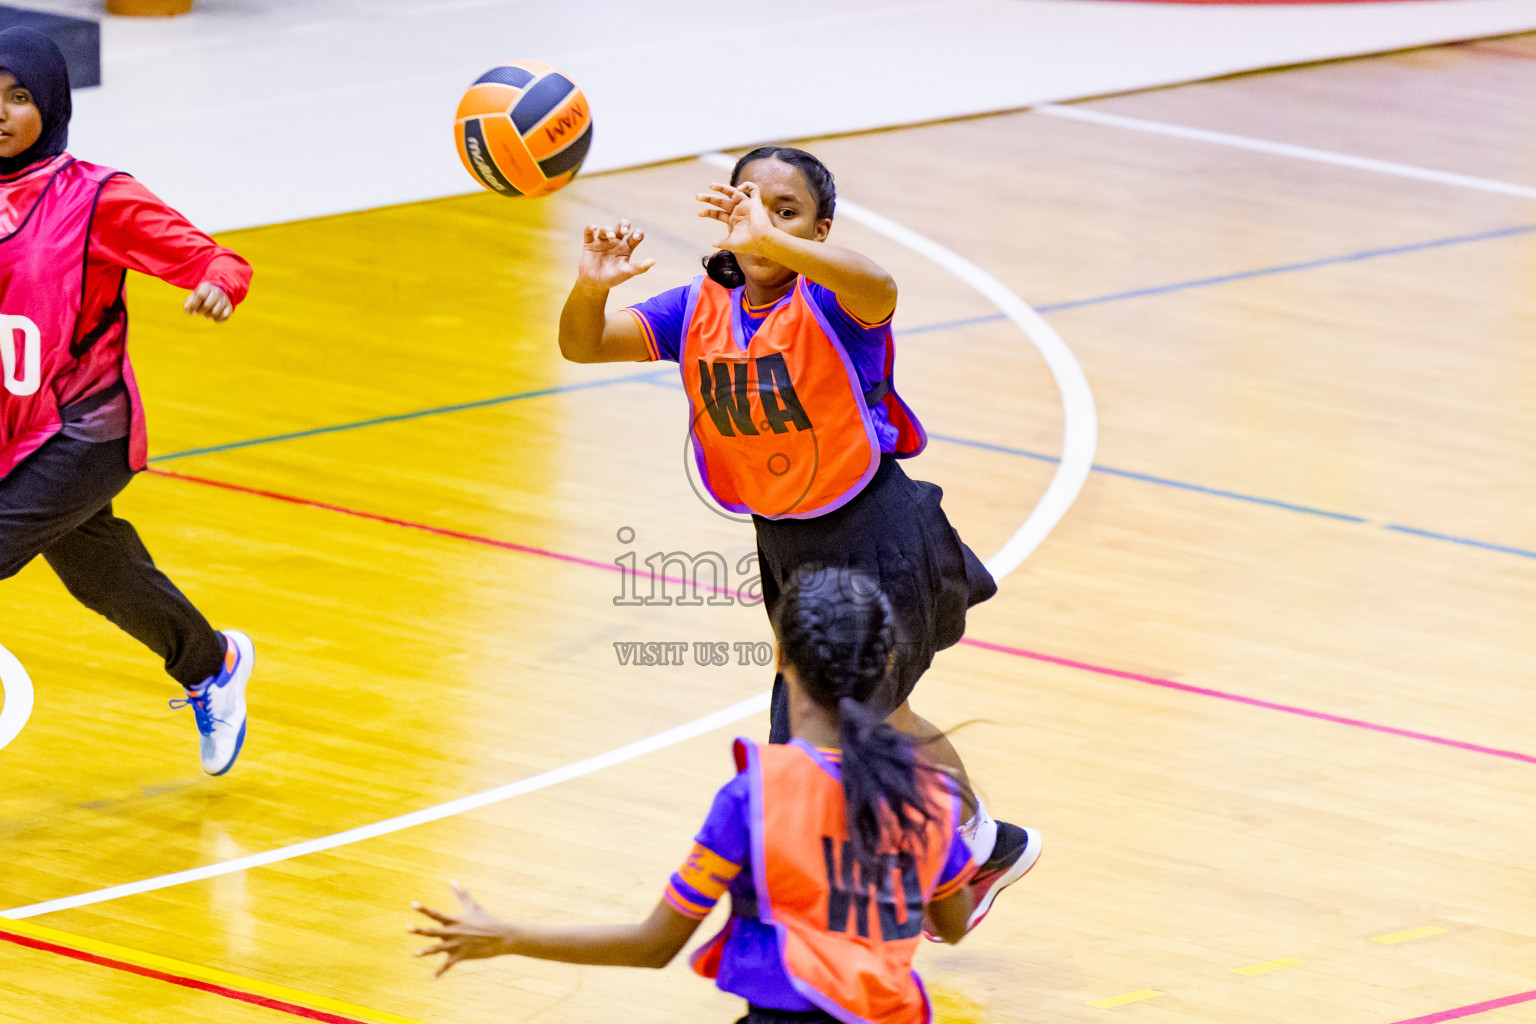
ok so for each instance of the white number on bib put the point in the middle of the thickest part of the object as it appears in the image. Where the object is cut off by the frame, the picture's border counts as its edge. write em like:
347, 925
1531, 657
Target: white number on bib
23, 369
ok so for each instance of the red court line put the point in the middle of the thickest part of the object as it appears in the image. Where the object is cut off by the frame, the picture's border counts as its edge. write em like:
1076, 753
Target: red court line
1467, 1011
1017, 652
475, 538
174, 979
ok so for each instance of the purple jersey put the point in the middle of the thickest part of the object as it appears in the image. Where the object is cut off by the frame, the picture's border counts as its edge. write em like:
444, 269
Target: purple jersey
751, 966
661, 319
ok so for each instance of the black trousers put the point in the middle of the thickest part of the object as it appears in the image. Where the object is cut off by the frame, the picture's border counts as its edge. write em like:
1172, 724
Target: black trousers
58, 504
894, 530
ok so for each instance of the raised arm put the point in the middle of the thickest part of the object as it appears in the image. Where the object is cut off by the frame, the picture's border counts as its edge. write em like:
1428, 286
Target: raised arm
476, 935
861, 284
588, 332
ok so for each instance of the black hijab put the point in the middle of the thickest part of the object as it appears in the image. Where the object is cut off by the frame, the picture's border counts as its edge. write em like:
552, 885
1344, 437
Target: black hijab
37, 64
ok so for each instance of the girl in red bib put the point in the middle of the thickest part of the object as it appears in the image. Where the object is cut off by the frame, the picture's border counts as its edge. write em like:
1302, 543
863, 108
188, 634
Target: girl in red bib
833, 847
71, 422
786, 355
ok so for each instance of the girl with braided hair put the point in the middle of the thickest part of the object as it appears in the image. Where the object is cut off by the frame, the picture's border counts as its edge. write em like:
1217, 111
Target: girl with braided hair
834, 847
786, 353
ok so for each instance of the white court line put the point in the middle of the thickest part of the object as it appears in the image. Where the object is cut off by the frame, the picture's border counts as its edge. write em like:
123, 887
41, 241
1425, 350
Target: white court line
1321, 156
1079, 437
16, 689
649, 745
1080, 418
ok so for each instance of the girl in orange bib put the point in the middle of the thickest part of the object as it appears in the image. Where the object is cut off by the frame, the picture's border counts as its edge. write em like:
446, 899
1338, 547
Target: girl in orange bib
786, 355
833, 846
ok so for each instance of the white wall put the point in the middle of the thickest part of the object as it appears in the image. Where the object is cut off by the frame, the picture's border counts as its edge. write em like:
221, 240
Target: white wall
255, 111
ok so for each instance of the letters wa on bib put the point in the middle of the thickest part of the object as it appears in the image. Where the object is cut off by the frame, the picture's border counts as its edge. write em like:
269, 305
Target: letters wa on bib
781, 423
793, 417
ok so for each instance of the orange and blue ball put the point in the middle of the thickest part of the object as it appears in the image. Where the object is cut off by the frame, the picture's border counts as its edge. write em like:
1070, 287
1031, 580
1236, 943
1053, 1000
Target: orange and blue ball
523, 129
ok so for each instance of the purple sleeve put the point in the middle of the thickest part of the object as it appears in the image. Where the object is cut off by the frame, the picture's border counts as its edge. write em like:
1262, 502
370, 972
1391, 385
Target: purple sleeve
661, 318
719, 851
866, 345
865, 342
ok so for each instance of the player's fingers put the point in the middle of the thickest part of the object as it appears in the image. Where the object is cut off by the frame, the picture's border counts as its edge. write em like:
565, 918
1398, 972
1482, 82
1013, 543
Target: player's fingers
624, 227
444, 968
647, 265
589, 233
436, 915
464, 897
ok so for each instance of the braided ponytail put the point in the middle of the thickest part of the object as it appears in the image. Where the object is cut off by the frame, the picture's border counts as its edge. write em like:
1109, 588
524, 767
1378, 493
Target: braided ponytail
837, 630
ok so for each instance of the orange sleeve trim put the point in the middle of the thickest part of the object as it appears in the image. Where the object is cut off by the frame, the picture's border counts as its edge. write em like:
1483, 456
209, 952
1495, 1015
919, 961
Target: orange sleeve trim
645, 329
861, 323
685, 906
708, 872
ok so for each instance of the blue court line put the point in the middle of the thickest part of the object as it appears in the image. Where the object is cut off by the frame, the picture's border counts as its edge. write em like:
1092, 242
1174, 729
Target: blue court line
437, 410
1161, 481
1468, 541
1242, 275
1253, 499
949, 325
658, 377
922, 329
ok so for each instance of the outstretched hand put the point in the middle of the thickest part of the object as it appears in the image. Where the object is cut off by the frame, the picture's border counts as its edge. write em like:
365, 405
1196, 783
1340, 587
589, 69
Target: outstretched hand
740, 209
608, 255
475, 934
210, 301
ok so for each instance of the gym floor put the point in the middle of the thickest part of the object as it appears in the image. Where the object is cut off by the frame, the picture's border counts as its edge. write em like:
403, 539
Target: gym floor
1264, 689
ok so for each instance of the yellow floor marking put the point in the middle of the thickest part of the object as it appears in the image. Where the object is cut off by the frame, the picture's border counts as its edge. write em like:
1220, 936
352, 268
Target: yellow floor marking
1412, 933
951, 1006
1267, 966
199, 973
1121, 1000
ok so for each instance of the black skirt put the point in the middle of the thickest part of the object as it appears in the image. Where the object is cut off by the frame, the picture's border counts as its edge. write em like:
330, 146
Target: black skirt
895, 530
768, 1015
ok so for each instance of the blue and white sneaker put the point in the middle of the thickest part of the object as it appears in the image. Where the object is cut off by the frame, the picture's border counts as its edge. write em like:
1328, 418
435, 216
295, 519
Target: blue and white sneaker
218, 705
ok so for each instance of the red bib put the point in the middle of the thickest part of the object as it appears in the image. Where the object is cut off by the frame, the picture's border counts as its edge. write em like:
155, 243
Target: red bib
781, 424
42, 275
846, 942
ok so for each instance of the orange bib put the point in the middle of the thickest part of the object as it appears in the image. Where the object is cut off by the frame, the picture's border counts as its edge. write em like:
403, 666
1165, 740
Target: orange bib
846, 942
780, 425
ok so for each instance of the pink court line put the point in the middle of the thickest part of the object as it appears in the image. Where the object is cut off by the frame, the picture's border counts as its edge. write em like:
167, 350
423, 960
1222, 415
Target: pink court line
1237, 698
1467, 1011
1017, 652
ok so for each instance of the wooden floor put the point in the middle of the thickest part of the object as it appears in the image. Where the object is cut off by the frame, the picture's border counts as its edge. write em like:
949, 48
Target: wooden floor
1267, 444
